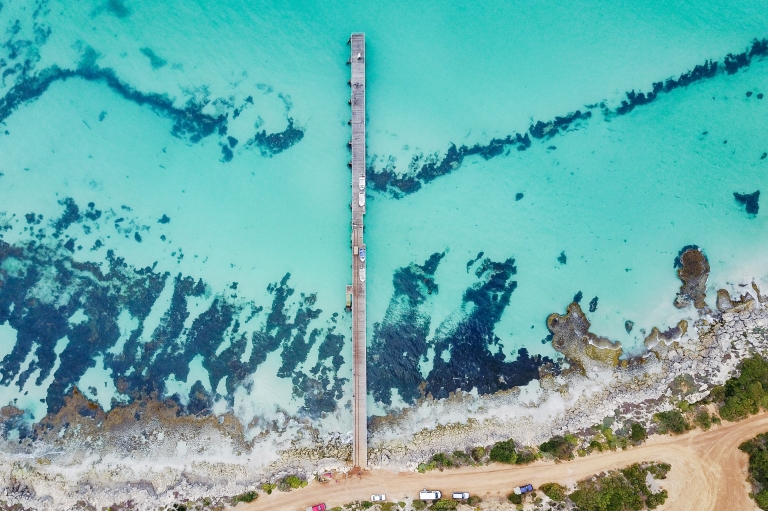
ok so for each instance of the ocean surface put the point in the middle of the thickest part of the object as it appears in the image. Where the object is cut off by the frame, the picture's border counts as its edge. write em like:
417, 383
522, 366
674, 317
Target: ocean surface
174, 194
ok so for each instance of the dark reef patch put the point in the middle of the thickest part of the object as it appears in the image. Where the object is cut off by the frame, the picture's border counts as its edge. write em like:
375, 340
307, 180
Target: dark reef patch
750, 201
422, 170
467, 355
518, 196
154, 60
562, 259
399, 342
149, 357
593, 304
577, 297
189, 121
274, 143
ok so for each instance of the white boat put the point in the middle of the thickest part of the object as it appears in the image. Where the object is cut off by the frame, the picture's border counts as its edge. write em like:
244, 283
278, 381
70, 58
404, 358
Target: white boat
362, 274
361, 199
361, 183
362, 254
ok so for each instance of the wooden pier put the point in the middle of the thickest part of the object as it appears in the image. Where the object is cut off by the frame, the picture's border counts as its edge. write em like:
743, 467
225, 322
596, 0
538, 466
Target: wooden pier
357, 144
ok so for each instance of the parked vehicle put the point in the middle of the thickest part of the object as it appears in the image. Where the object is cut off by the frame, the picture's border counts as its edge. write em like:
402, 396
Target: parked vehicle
378, 498
522, 490
429, 494
316, 507
460, 495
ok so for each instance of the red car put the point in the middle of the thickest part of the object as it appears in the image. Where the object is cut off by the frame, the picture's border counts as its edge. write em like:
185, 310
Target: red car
316, 507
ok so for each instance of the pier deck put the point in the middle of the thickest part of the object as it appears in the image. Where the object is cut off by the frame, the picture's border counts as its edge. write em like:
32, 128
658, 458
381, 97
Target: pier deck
360, 387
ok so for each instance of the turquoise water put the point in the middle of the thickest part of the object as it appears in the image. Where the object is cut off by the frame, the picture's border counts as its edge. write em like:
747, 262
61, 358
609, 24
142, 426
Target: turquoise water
210, 138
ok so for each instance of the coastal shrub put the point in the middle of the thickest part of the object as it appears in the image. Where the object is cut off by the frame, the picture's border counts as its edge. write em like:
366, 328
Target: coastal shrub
426, 467
504, 452
525, 456
474, 500
702, 419
268, 487
461, 457
623, 490
746, 394
291, 482
671, 422
757, 449
637, 432
560, 447
659, 470
248, 496
444, 505
442, 460
478, 453
418, 505
514, 498
554, 491
366, 505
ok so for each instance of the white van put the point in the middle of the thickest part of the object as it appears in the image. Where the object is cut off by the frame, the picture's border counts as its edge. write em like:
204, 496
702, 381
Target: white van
460, 495
429, 494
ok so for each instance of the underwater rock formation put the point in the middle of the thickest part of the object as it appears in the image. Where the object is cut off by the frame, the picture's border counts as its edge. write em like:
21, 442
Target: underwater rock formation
582, 348
693, 270
750, 201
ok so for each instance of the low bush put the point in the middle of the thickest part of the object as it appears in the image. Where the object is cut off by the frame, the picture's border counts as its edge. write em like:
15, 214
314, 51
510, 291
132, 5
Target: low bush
746, 394
623, 490
444, 505
474, 500
637, 432
418, 505
757, 449
671, 422
554, 491
504, 452
560, 447
514, 498
366, 505
268, 487
702, 419
478, 453
291, 483
442, 460
248, 496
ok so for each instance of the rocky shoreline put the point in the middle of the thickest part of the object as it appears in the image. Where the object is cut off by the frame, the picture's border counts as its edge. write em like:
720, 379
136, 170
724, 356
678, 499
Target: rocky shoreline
83, 458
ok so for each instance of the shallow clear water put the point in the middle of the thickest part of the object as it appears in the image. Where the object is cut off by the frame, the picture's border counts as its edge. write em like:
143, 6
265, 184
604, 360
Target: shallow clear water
168, 123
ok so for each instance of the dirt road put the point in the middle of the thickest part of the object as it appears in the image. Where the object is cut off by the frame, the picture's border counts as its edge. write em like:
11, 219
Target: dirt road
708, 473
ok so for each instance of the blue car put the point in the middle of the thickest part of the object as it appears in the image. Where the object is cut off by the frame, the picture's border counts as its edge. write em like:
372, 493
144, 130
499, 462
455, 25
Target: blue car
522, 490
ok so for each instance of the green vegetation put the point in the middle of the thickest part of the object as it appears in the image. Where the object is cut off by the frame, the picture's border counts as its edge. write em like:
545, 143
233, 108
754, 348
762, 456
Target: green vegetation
418, 505
442, 460
745, 395
268, 487
757, 449
560, 447
514, 498
366, 505
478, 453
554, 491
624, 490
504, 452
474, 500
248, 496
291, 483
637, 432
444, 505
671, 422
703, 419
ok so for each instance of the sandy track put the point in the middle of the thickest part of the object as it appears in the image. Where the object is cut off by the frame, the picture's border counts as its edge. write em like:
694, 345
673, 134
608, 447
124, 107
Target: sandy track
708, 473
